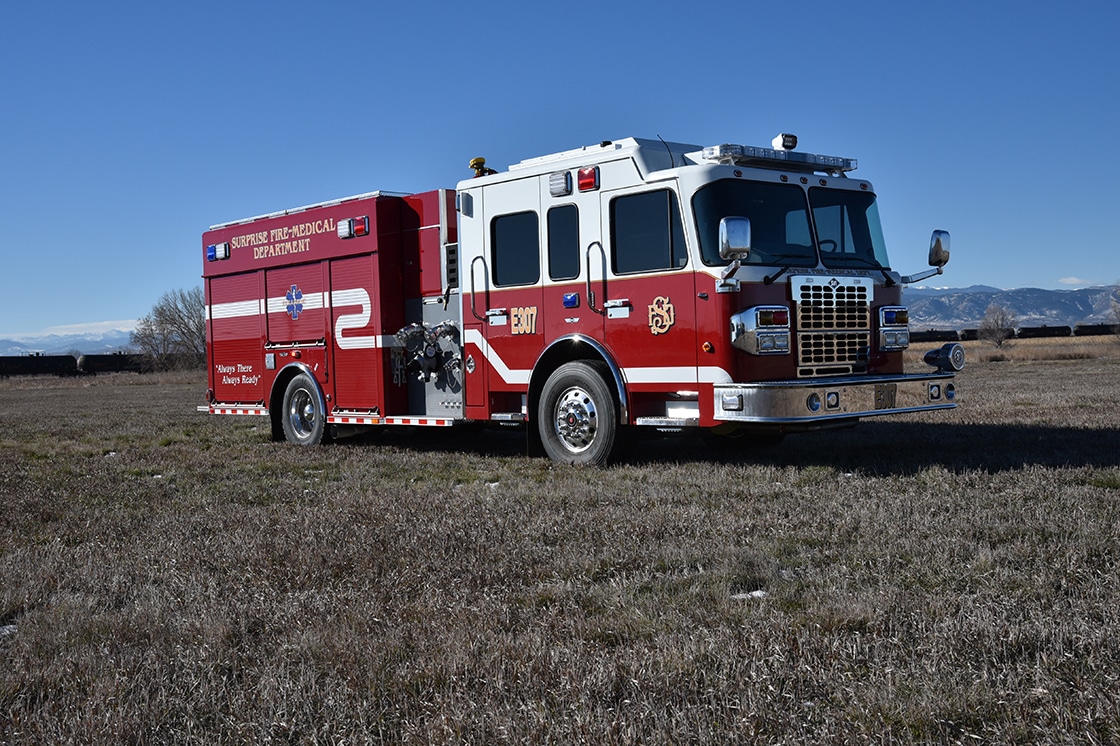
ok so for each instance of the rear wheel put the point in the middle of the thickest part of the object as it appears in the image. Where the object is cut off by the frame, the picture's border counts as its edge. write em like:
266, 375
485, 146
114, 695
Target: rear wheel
578, 416
302, 417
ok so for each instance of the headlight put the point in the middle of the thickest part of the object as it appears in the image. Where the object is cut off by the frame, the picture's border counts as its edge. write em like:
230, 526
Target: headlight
761, 330
894, 330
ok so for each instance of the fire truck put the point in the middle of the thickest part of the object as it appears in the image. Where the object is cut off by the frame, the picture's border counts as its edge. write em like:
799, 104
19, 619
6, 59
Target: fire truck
584, 296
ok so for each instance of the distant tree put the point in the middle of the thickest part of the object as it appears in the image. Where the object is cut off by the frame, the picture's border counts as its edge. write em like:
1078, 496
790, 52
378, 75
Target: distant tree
997, 326
173, 334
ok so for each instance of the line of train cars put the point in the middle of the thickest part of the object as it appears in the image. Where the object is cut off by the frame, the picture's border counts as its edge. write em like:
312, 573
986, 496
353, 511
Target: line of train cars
68, 365
1023, 332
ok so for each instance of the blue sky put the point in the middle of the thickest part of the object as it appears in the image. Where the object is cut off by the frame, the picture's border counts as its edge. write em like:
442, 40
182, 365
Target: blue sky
127, 128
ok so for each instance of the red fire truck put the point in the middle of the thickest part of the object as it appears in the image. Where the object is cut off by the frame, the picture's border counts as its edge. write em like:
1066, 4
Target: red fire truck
582, 295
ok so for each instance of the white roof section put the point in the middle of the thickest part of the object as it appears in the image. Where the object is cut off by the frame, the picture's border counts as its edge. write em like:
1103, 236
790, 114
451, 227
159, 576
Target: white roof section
649, 155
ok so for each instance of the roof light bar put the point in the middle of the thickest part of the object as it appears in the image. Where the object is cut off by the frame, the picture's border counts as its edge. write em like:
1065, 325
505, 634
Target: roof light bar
748, 155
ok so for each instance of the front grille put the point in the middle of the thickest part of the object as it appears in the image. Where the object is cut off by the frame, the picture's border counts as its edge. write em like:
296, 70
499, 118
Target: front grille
833, 325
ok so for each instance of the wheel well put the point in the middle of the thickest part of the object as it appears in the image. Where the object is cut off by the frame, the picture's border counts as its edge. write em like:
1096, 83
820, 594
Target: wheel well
276, 398
566, 351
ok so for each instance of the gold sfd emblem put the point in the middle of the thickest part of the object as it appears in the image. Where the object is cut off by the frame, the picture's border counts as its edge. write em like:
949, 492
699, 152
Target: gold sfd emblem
662, 315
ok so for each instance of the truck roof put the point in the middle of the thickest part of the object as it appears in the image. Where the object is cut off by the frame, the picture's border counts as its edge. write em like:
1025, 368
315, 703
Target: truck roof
650, 155
658, 155
293, 210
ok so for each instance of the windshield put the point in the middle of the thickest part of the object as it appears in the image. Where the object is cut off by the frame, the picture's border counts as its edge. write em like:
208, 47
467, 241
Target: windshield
847, 223
848, 229
779, 221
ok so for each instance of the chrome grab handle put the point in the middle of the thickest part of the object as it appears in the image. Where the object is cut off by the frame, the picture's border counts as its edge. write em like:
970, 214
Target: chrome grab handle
590, 292
473, 311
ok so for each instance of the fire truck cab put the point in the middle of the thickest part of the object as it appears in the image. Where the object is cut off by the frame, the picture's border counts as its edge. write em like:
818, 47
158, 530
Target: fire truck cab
633, 283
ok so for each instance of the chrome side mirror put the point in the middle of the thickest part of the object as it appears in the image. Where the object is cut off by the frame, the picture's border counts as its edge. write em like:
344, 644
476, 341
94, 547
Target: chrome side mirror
939, 249
735, 238
938, 258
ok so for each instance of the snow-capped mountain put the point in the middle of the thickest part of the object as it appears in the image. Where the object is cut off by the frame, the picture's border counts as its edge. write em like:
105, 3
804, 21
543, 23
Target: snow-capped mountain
963, 308
88, 342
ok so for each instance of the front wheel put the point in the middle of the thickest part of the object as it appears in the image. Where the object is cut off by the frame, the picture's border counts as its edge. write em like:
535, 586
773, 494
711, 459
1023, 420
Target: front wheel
578, 416
303, 418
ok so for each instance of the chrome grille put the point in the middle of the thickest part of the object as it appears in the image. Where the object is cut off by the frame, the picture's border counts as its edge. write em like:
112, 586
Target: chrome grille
833, 325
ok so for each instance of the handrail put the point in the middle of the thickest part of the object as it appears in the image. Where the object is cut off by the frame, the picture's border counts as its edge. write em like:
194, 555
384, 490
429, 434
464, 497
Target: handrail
590, 292
473, 311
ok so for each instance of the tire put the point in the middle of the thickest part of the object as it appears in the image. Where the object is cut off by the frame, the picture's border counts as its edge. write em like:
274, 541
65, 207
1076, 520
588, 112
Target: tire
303, 418
577, 417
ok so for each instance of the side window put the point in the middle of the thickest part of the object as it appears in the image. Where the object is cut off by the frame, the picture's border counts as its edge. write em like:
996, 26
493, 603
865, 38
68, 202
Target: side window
563, 242
515, 249
646, 233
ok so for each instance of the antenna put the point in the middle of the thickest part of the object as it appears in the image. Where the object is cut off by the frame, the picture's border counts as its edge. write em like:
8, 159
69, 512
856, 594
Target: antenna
672, 160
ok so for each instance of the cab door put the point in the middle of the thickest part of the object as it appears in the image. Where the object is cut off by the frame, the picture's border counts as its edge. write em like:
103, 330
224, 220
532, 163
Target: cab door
574, 265
649, 305
503, 296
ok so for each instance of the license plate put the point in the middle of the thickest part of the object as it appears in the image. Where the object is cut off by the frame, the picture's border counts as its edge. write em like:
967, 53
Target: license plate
885, 395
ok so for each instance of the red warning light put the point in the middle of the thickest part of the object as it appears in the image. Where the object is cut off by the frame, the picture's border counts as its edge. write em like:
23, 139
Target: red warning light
588, 179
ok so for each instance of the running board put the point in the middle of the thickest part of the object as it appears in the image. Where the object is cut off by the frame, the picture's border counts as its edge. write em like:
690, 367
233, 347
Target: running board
668, 421
233, 409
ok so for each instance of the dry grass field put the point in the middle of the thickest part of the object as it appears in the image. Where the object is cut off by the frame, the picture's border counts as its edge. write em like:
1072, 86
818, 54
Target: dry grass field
167, 577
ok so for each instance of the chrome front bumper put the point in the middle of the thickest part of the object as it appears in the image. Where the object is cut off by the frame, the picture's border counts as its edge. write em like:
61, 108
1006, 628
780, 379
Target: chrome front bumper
820, 400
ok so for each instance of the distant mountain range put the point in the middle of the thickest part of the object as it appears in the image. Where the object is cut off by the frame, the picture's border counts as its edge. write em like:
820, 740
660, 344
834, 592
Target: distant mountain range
114, 340
930, 308
963, 308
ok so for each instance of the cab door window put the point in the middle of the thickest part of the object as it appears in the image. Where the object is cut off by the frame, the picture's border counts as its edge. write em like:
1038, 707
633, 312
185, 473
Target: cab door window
515, 247
646, 233
563, 242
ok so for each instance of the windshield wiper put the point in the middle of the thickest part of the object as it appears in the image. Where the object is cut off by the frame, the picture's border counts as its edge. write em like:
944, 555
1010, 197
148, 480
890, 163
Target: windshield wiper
770, 279
887, 281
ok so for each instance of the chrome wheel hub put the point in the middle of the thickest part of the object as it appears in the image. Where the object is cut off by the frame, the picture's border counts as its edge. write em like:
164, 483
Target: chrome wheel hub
301, 414
576, 419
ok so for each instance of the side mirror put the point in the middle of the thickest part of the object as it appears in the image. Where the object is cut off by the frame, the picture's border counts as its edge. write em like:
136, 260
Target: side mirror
735, 238
938, 257
939, 249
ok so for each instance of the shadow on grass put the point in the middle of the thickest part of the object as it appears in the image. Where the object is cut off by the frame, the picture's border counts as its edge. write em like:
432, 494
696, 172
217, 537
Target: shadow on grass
884, 448
874, 447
